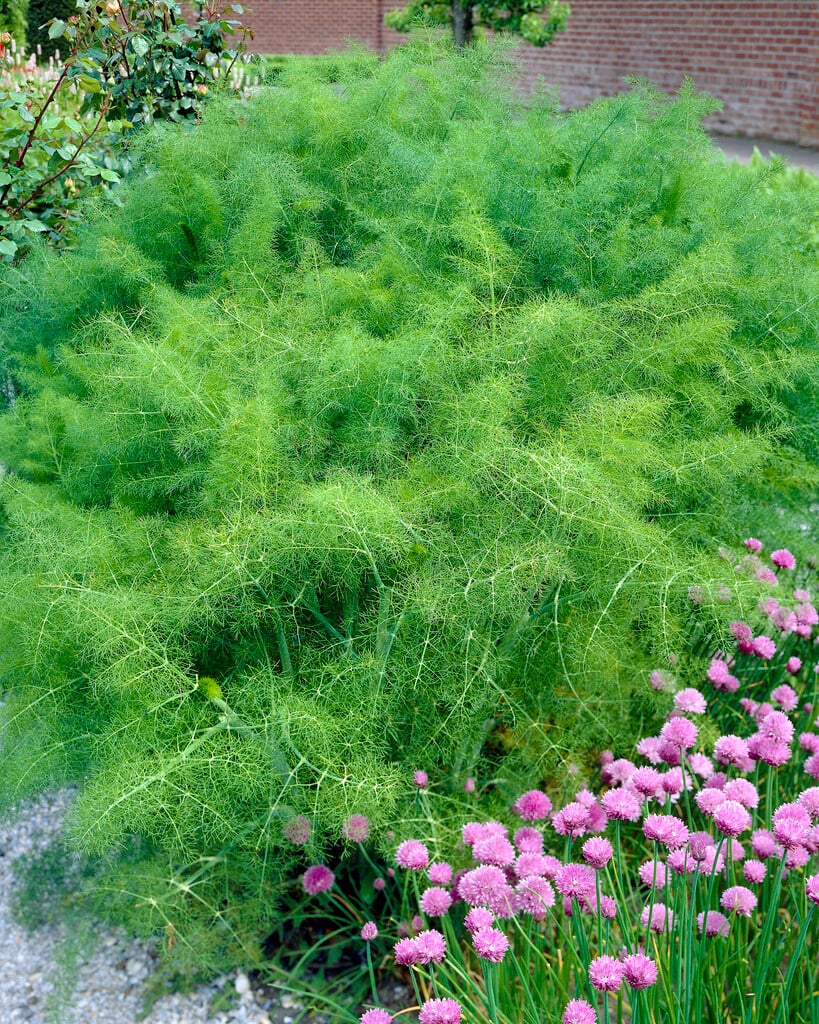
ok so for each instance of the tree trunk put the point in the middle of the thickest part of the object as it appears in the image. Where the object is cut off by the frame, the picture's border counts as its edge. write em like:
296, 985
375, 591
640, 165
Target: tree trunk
462, 22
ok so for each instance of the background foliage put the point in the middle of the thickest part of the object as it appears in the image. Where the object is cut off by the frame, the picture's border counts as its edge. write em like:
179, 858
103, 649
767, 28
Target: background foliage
385, 424
61, 126
14, 19
40, 12
535, 21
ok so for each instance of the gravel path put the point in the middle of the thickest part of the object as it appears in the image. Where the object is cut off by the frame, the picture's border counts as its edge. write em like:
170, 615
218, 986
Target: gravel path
62, 975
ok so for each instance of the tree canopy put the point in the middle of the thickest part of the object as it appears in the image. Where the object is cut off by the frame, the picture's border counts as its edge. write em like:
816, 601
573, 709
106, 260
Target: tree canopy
533, 20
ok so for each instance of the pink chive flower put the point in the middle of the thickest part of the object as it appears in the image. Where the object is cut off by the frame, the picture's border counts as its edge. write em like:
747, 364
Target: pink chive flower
765, 575
379, 884
440, 1011
472, 831
532, 805
665, 829
297, 831
783, 559
435, 902
690, 701
356, 828
741, 631
417, 923
731, 750
528, 840
739, 900
809, 799
639, 971
699, 843
606, 973
752, 544
673, 782
763, 647
660, 679
571, 820
490, 944
608, 907
786, 697
375, 1017
493, 850
528, 864
681, 862
420, 779
652, 873
575, 880
578, 1011
469, 785
754, 871
647, 781
430, 946
701, 765
662, 918
812, 888
649, 748
809, 741
793, 665
764, 844
598, 819
597, 852
743, 791
551, 867
440, 873
369, 931
679, 733
621, 805
412, 855
778, 726
618, 771
811, 766
731, 818
796, 858
717, 671
790, 825
768, 750
316, 879
533, 896
480, 885
708, 800
477, 918
713, 862
715, 924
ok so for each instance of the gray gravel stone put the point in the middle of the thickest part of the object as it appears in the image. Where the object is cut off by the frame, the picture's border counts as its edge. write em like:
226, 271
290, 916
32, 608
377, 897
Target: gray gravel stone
106, 983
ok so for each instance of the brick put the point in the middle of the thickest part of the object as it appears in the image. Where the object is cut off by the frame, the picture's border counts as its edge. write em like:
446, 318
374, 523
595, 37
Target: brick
761, 59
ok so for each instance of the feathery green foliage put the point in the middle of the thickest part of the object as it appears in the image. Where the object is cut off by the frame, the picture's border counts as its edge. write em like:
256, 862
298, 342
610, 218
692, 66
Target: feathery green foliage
384, 425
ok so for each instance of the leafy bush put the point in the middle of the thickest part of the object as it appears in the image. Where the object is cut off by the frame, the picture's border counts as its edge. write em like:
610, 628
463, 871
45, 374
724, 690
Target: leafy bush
13, 19
51, 154
40, 12
385, 425
127, 64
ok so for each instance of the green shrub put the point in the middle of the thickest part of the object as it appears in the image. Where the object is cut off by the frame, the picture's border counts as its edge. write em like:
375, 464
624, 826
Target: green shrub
39, 13
385, 425
13, 19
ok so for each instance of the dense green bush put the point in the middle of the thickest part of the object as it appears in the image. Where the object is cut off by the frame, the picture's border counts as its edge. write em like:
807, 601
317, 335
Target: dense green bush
385, 425
39, 13
13, 19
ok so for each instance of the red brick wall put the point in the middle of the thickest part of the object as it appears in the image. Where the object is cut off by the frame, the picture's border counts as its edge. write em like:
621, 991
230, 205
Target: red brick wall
760, 57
